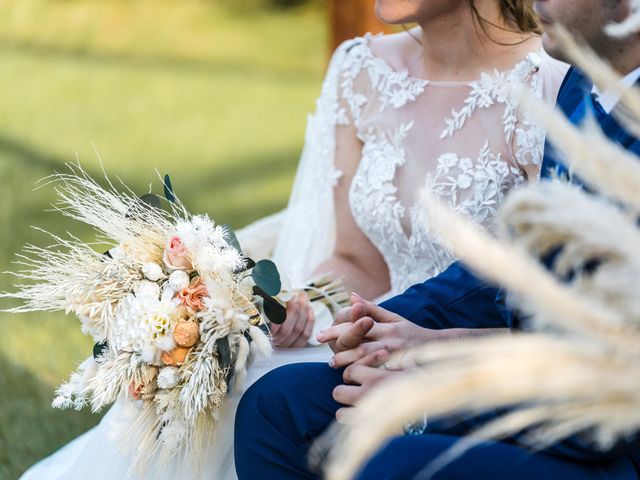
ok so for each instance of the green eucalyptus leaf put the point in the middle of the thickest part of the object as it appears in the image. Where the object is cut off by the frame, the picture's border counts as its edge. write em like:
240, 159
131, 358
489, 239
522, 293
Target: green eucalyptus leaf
266, 276
248, 264
274, 310
168, 189
224, 352
151, 200
99, 348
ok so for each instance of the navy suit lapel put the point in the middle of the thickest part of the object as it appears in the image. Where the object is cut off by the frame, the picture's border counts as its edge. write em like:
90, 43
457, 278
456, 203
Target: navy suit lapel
571, 100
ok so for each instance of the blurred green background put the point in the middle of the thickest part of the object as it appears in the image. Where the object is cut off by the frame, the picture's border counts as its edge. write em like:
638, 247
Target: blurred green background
213, 92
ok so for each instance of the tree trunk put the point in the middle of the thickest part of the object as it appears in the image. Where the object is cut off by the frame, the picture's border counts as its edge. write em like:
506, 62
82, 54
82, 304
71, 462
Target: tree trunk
352, 18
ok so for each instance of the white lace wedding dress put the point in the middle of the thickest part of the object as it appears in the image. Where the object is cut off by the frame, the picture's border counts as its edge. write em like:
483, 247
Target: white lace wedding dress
466, 141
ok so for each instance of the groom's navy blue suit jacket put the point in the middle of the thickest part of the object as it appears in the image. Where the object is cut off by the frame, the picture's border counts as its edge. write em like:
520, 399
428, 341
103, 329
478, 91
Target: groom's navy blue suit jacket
458, 299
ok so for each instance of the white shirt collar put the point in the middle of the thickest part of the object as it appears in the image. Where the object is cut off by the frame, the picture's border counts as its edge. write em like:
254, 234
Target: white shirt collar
609, 99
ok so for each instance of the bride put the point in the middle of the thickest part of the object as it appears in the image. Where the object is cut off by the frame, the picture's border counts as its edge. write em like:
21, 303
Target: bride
430, 107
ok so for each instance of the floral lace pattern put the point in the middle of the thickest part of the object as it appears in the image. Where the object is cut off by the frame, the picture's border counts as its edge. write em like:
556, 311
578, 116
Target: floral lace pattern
472, 186
393, 89
489, 175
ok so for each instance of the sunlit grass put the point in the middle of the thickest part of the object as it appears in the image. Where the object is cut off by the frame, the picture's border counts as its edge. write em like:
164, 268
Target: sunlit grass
217, 100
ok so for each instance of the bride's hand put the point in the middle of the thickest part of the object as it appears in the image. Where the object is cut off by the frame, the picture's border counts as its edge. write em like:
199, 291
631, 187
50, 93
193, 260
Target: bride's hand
365, 328
296, 329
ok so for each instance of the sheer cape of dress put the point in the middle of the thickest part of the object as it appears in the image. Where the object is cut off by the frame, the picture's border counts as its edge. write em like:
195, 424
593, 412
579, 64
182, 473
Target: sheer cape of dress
468, 142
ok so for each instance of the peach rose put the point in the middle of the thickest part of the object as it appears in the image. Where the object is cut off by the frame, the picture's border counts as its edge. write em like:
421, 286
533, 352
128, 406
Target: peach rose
176, 256
135, 391
192, 297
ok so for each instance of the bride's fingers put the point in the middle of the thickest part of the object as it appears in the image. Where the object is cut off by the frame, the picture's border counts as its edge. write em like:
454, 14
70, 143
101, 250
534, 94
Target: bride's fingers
332, 333
285, 334
354, 355
353, 313
311, 321
307, 328
357, 311
352, 337
343, 316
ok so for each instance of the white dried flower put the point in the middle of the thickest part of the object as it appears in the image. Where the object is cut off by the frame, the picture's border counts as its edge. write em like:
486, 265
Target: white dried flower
117, 253
147, 290
166, 343
168, 377
178, 280
151, 354
153, 272
89, 368
141, 319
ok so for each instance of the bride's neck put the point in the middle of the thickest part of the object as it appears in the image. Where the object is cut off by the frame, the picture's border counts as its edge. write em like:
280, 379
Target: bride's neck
457, 48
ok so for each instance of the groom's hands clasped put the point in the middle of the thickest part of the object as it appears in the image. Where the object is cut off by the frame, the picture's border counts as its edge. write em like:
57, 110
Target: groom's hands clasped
361, 377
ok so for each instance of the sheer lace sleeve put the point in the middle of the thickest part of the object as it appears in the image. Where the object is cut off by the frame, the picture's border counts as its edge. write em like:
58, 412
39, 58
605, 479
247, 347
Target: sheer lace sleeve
527, 142
307, 237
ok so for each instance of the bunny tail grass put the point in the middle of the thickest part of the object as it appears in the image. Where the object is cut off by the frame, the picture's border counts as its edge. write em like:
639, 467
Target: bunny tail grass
629, 25
605, 77
604, 165
509, 265
552, 379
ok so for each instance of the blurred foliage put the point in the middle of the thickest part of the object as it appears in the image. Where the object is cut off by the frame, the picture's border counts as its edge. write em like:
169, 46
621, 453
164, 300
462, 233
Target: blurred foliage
216, 98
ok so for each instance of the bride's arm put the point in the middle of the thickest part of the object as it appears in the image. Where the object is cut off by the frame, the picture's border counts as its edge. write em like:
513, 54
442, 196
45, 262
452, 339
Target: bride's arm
319, 225
354, 259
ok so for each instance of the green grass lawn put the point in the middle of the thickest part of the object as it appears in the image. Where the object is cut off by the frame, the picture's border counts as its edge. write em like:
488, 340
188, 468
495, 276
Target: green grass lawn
216, 98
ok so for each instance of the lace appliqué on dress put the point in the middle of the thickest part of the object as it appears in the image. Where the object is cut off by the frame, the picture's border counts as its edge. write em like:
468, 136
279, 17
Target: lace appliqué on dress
393, 89
472, 186
490, 176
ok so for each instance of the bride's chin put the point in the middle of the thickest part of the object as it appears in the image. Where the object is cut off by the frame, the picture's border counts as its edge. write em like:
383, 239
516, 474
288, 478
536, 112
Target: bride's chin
396, 12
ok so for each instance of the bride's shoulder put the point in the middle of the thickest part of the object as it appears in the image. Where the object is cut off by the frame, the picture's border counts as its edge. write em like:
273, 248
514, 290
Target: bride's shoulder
398, 50
395, 50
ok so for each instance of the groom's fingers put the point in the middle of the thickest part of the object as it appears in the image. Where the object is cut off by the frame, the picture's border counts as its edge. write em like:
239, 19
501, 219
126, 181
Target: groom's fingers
378, 313
353, 355
363, 375
343, 413
358, 380
347, 394
376, 359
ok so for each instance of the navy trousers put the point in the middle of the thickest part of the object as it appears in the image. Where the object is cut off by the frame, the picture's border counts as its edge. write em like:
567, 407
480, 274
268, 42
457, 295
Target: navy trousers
281, 415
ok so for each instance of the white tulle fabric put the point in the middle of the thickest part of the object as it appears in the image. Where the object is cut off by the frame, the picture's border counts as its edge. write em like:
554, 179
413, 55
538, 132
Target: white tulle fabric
466, 142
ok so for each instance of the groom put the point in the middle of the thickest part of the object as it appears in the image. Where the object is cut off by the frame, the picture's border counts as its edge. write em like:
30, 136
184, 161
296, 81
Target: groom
281, 415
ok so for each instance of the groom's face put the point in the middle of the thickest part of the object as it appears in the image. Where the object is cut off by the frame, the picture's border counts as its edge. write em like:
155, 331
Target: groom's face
585, 19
